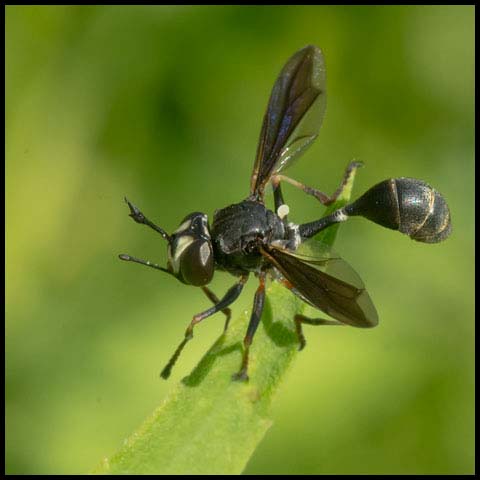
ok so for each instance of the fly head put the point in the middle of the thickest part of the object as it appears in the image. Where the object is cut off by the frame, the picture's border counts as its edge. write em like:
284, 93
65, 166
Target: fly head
190, 252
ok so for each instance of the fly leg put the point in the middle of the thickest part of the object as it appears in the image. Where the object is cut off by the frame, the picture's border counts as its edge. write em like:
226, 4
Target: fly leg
302, 319
214, 299
323, 198
231, 295
299, 319
211, 296
258, 303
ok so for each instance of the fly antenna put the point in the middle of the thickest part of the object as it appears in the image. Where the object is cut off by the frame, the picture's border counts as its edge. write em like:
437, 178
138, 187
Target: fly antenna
139, 217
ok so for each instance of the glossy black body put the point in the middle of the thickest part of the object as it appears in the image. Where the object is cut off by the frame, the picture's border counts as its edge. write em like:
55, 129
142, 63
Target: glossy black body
237, 233
247, 237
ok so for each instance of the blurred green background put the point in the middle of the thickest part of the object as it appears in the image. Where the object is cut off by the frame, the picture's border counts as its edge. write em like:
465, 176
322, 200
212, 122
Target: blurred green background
164, 104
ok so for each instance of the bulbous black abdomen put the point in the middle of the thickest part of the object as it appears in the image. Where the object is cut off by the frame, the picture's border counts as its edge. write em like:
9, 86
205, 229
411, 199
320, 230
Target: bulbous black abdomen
237, 232
407, 205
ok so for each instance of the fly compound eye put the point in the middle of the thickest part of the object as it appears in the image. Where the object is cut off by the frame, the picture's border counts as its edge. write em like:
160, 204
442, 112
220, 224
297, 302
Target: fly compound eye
190, 252
191, 259
196, 263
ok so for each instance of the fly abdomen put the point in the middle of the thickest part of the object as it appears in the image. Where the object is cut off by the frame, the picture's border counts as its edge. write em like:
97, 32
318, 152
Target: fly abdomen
408, 205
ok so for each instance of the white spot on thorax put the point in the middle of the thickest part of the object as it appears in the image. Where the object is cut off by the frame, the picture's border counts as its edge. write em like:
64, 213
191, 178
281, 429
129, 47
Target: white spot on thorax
283, 211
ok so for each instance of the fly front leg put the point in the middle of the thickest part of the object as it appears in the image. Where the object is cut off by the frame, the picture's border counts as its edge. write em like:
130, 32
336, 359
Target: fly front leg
214, 299
299, 319
258, 303
228, 299
211, 296
323, 198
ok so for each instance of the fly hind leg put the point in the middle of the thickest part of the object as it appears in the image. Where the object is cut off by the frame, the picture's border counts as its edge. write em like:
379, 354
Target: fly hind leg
302, 319
323, 198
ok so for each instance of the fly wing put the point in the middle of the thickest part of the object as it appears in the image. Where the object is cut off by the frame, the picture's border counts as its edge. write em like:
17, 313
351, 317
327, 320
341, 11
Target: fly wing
294, 114
323, 257
338, 298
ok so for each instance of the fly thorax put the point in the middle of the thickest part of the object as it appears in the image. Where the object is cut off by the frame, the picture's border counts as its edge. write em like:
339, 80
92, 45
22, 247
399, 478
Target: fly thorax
190, 252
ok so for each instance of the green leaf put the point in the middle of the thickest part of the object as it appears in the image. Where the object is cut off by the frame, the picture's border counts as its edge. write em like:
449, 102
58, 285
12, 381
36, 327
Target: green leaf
209, 424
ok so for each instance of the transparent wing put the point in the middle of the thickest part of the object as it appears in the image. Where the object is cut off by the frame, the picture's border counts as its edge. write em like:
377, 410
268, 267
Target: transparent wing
325, 258
294, 114
321, 278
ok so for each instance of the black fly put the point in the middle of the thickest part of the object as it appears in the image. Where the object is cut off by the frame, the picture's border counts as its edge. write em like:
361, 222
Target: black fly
247, 237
